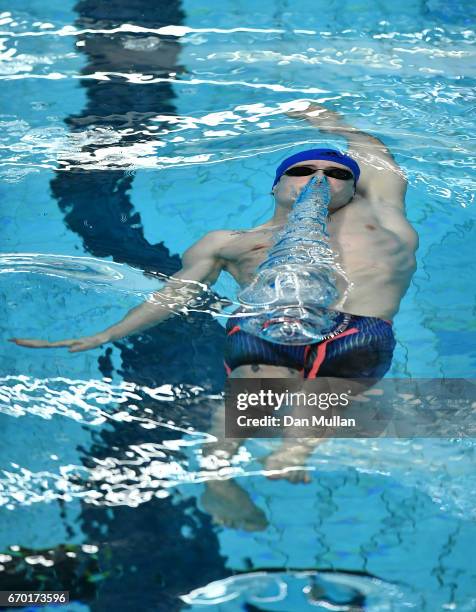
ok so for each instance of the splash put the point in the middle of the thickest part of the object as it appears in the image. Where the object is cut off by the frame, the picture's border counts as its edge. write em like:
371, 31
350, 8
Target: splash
108, 277
296, 284
304, 589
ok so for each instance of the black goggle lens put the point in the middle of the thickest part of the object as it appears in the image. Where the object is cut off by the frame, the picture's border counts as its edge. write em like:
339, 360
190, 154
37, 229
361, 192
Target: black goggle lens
337, 173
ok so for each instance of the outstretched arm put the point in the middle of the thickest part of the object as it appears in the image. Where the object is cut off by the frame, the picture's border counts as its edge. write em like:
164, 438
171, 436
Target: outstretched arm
381, 179
201, 267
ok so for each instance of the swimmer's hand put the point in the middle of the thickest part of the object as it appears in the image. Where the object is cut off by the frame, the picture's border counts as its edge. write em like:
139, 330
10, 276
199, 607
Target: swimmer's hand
75, 345
319, 116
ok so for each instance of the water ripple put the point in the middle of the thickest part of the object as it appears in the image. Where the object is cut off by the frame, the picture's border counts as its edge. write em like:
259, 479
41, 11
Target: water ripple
91, 402
108, 277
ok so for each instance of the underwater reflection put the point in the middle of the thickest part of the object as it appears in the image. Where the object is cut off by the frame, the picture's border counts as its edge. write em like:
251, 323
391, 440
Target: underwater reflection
303, 590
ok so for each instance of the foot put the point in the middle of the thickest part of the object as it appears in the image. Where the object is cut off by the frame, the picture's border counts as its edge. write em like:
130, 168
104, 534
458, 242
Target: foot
230, 505
287, 462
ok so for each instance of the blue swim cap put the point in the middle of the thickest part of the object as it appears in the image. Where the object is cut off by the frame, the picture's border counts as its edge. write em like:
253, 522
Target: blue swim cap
327, 154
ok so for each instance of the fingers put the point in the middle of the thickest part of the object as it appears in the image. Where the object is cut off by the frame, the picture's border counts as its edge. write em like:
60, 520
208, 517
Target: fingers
303, 111
298, 113
62, 343
32, 343
75, 345
312, 111
28, 342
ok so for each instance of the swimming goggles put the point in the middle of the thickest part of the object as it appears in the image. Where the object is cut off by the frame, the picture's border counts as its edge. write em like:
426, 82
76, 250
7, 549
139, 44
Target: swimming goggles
337, 173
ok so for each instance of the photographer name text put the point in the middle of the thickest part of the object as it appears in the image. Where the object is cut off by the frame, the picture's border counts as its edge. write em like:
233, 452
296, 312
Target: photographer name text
290, 421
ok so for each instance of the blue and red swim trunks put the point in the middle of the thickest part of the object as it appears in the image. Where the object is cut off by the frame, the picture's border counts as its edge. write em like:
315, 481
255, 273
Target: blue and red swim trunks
361, 347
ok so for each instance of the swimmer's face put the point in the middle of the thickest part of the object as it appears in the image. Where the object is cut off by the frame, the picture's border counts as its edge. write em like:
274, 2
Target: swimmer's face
288, 187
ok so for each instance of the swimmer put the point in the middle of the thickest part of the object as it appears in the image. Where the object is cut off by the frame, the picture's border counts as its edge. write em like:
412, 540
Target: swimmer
373, 243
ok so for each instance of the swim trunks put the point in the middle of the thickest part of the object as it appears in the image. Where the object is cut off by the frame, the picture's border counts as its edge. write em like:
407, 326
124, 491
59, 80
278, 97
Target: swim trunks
359, 347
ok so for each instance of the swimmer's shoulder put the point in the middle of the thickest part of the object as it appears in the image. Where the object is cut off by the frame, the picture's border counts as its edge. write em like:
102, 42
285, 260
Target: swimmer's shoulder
224, 236
218, 240
266, 228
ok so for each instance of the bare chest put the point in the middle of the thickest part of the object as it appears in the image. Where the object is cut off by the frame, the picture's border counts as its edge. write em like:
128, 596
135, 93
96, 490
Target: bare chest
355, 235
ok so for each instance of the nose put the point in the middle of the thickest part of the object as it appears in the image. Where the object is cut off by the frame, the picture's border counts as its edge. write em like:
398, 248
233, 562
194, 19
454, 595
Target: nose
319, 174
321, 177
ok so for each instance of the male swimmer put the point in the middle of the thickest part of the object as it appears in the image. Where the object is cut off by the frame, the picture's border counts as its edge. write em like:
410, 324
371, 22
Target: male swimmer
373, 243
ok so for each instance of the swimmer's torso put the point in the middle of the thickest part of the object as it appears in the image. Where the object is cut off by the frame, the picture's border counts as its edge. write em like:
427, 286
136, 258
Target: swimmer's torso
378, 260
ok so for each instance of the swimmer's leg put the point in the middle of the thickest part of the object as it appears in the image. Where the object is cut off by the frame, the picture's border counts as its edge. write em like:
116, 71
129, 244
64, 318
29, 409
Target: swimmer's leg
227, 447
227, 502
295, 452
289, 460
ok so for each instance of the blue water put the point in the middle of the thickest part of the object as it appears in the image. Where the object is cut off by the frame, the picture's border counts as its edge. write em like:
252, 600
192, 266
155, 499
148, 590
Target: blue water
125, 143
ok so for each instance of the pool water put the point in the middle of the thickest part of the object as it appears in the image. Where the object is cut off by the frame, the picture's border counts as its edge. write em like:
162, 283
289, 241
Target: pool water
130, 129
